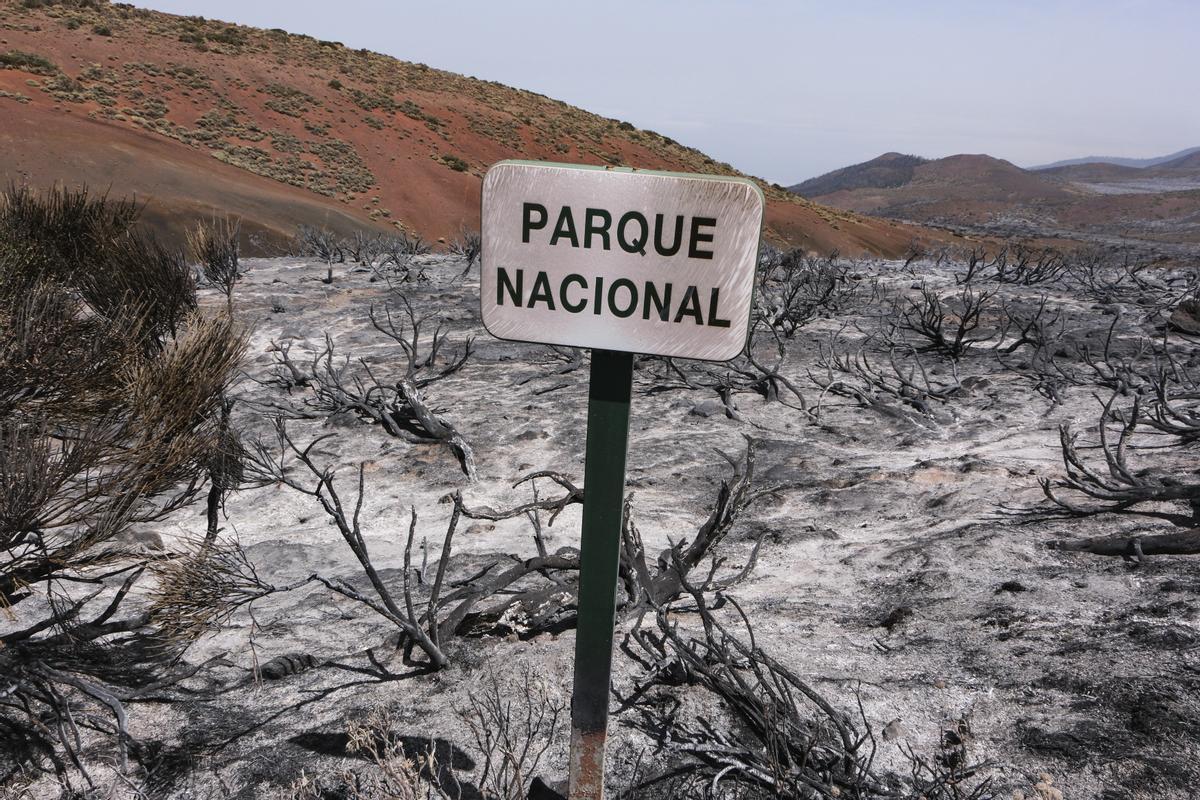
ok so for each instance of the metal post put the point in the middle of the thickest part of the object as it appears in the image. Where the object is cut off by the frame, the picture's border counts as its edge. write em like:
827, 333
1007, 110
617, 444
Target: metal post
604, 496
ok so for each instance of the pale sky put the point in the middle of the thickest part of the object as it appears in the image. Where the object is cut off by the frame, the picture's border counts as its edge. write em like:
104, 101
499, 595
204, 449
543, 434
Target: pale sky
789, 90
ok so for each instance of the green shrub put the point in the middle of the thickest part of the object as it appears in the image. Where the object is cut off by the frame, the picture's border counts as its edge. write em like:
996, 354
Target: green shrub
228, 35
288, 100
335, 84
102, 30
455, 163
29, 62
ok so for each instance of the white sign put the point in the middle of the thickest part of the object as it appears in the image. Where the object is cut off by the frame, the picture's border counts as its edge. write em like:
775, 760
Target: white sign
619, 259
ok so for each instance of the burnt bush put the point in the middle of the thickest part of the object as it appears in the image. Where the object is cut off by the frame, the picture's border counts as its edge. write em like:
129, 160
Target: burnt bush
111, 393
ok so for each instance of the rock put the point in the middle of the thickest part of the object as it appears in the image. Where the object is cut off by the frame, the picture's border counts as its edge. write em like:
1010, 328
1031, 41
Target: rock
540, 790
290, 664
708, 408
1011, 586
1045, 788
897, 615
894, 730
341, 419
1186, 317
141, 539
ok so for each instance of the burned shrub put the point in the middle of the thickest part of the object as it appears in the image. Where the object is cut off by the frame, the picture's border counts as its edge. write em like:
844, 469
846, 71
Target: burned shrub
112, 396
397, 403
322, 244
468, 246
950, 326
795, 288
1114, 485
892, 382
215, 245
365, 248
791, 741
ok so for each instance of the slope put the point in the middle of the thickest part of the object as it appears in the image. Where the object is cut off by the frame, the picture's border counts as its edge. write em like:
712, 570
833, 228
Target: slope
367, 139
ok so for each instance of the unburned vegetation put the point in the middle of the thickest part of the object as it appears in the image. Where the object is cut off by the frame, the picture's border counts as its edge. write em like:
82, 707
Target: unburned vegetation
297, 528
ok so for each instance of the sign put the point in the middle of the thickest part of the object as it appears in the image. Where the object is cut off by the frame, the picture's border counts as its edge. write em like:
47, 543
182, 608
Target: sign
618, 259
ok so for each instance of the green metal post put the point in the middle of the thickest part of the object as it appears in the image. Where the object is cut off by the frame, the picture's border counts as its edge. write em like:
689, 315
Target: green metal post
603, 498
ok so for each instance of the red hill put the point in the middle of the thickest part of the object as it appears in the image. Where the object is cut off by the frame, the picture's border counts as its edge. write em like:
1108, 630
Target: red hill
197, 115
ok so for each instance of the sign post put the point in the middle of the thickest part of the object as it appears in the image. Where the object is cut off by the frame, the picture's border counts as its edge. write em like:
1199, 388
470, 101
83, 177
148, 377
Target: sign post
620, 261
609, 387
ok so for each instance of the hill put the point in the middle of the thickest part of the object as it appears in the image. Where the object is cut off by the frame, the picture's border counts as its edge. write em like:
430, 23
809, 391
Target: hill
1183, 171
885, 171
199, 115
921, 189
1092, 171
1189, 162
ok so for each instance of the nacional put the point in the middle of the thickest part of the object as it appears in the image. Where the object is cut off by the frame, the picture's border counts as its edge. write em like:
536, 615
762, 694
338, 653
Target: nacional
575, 294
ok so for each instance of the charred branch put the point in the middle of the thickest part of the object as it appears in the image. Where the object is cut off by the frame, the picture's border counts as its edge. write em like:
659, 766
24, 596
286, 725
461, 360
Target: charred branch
398, 405
1134, 547
901, 381
320, 485
796, 288
792, 742
951, 327
1116, 486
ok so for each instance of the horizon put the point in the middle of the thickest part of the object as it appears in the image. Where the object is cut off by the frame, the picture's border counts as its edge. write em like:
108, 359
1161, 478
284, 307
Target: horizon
1065, 95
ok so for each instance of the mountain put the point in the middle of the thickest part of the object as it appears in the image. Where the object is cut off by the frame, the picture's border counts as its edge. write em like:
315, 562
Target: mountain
1092, 171
909, 187
1136, 163
1189, 162
200, 117
1182, 168
992, 196
885, 171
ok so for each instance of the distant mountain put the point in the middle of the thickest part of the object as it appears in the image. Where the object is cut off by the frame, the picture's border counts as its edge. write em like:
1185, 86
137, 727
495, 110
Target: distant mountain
910, 187
1185, 167
1138, 163
1092, 171
1159, 202
1189, 162
888, 170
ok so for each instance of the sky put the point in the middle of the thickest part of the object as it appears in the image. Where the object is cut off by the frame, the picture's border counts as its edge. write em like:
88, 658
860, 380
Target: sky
790, 90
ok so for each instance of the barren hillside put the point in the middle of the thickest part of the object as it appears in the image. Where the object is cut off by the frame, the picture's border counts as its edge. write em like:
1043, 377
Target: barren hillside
203, 115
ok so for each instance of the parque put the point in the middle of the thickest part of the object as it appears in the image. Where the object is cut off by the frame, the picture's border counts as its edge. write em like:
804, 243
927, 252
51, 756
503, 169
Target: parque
632, 230
575, 294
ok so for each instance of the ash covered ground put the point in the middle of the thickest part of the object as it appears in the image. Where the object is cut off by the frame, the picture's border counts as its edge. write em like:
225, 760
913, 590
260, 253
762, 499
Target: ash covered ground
902, 565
